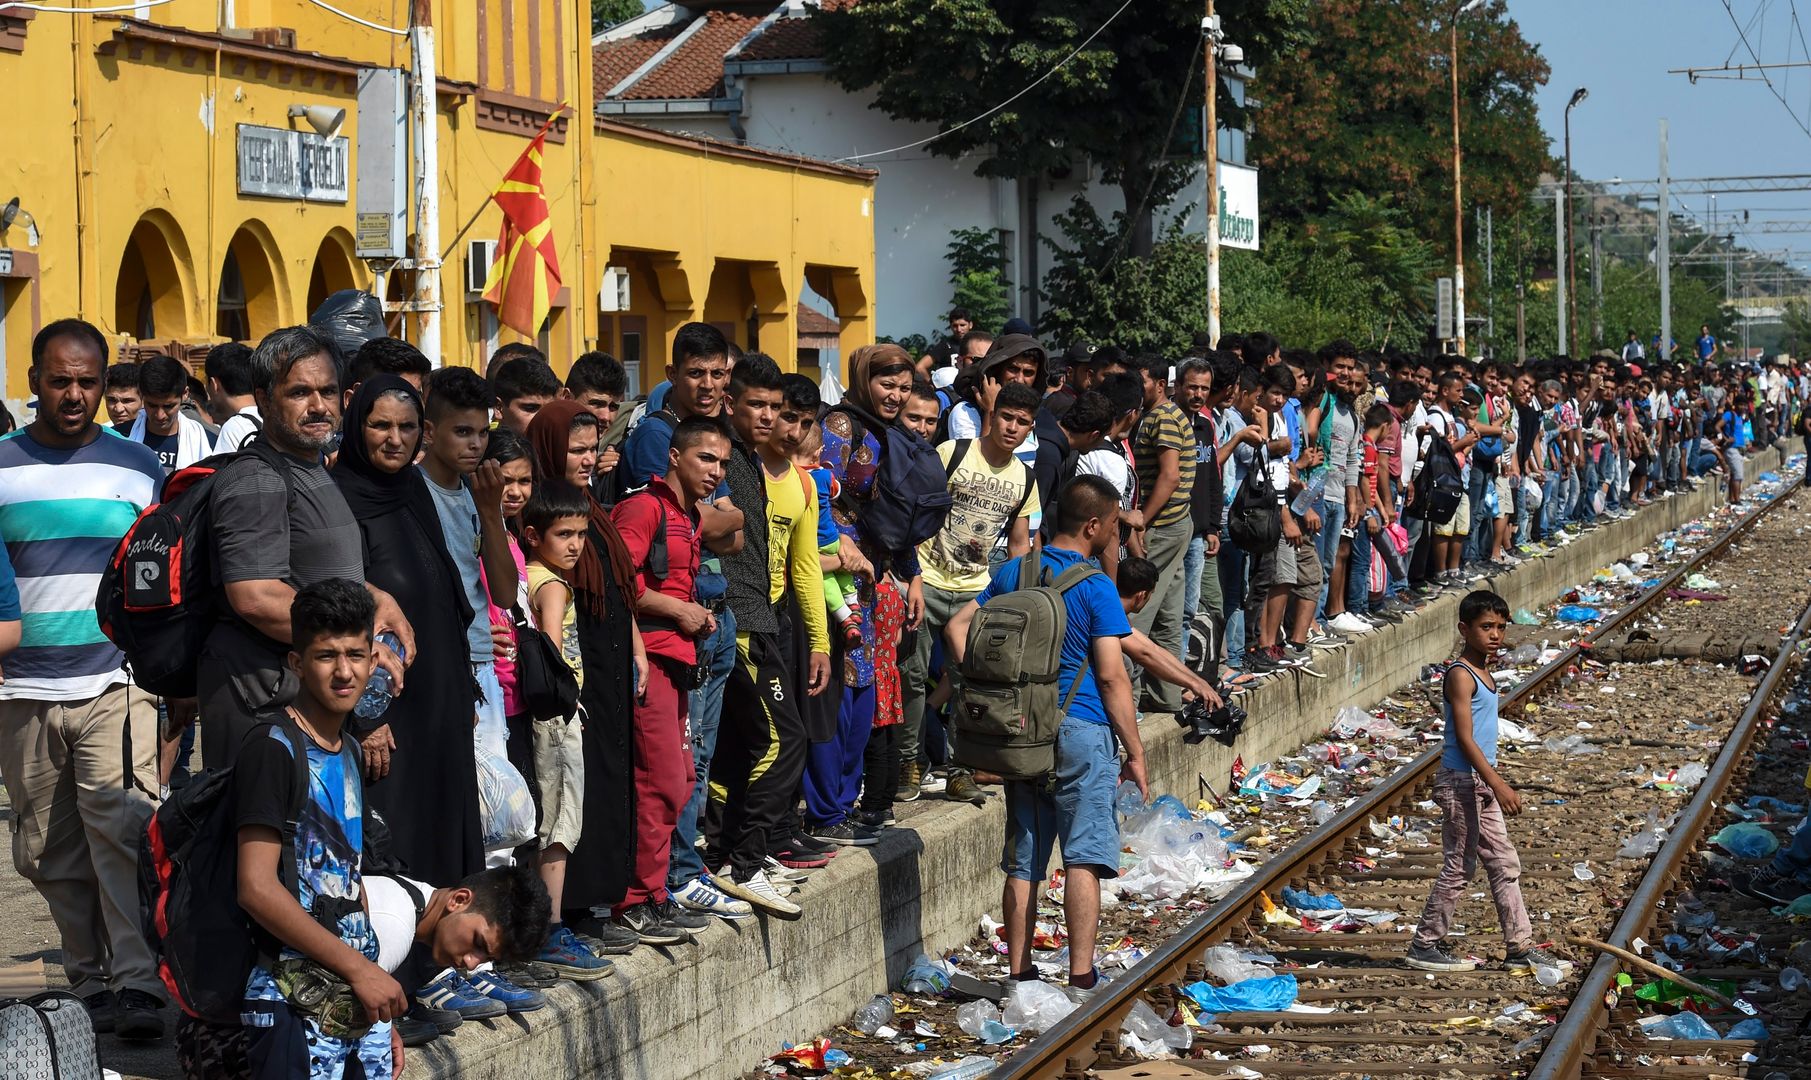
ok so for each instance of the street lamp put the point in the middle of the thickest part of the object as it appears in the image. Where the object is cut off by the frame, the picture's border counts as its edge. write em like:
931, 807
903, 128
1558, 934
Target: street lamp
1571, 260
1458, 198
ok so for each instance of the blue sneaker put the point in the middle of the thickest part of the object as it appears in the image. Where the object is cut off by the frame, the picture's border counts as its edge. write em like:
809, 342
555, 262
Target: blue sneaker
566, 954
515, 999
450, 991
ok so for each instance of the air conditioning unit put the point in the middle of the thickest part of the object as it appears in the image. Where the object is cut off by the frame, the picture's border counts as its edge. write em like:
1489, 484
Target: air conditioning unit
479, 254
613, 294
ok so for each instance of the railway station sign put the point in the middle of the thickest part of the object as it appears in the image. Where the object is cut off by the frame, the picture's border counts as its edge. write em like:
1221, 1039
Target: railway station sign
282, 164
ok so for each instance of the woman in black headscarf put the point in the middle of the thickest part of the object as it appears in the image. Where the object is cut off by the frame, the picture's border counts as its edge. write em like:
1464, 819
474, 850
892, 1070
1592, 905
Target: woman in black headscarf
420, 771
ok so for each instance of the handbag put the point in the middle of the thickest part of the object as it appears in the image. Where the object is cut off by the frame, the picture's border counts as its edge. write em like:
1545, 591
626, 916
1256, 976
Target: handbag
543, 681
47, 1036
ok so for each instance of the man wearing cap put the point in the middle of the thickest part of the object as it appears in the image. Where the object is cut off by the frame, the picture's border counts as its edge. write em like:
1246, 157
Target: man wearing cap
1075, 364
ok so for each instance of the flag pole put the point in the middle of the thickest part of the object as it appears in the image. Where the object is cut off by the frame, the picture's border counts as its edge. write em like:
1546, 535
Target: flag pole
473, 220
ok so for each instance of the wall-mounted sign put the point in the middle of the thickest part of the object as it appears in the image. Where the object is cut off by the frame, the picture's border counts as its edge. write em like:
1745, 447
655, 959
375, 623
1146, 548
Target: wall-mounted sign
284, 164
1238, 206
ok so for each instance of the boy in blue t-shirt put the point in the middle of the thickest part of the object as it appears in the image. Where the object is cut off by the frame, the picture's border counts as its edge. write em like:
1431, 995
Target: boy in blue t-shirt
1077, 809
321, 925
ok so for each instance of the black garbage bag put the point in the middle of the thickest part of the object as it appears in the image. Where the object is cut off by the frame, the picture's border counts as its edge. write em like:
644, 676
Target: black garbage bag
348, 319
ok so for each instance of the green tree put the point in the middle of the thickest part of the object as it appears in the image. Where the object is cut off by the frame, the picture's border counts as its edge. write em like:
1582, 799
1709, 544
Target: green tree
1795, 337
977, 259
1119, 102
610, 12
1364, 104
1095, 290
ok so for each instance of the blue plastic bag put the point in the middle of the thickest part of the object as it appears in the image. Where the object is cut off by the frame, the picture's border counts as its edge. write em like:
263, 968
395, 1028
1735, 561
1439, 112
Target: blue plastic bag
1578, 613
1253, 995
1303, 900
1751, 1028
1685, 1025
1746, 840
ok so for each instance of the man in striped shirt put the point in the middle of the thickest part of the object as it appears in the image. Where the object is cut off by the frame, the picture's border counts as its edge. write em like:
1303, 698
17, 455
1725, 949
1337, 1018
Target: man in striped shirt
78, 745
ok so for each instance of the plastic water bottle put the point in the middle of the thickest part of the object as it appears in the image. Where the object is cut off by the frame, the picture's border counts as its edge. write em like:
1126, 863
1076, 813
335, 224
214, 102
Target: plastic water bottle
1309, 498
873, 1016
378, 692
927, 975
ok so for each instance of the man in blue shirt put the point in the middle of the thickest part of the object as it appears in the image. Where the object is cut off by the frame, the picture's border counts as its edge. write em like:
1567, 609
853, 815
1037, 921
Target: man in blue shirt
1077, 808
1707, 344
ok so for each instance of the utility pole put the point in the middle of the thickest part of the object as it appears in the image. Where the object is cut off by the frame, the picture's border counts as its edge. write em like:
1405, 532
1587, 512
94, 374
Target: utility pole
1210, 41
1663, 258
427, 179
1458, 197
1559, 269
1521, 327
1596, 280
1571, 344
1490, 279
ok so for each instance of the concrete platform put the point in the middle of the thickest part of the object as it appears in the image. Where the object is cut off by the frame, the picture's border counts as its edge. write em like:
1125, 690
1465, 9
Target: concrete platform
717, 1008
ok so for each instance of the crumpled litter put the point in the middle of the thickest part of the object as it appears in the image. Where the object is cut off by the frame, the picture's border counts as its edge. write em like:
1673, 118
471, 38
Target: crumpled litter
1684, 1025
1746, 840
1035, 1007
1647, 839
1146, 1034
981, 1019
1303, 900
1351, 722
1228, 965
1574, 745
1684, 778
1273, 994
1578, 613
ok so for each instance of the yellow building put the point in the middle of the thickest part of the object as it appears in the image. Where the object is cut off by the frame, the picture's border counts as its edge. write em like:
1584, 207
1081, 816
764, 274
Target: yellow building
181, 176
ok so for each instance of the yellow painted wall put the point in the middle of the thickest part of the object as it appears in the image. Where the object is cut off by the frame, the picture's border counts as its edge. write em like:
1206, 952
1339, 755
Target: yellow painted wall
144, 146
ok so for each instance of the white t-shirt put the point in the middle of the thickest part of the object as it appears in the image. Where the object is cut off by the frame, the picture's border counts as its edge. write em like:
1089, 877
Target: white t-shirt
239, 428
1411, 442
1110, 465
393, 917
965, 423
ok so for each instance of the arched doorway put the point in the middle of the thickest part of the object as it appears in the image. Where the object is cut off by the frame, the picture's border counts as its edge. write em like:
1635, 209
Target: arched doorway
248, 302
334, 269
152, 287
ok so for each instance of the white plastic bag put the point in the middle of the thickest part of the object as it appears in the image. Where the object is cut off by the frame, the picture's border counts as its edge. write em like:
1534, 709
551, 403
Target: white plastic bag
1035, 1007
1226, 966
505, 808
1147, 1035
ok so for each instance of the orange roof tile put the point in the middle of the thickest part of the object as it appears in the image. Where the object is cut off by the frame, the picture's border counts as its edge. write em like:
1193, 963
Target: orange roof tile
785, 39
614, 61
696, 69
814, 322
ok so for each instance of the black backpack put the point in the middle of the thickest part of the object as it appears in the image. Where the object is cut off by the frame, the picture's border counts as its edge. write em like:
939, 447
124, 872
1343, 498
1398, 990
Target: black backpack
1440, 487
910, 497
188, 888
1254, 520
159, 598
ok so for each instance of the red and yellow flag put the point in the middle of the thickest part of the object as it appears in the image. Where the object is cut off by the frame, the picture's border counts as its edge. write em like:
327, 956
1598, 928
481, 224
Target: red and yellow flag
526, 273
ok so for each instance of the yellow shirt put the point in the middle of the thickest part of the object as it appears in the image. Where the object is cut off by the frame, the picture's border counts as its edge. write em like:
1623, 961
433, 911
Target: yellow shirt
539, 578
955, 560
792, 548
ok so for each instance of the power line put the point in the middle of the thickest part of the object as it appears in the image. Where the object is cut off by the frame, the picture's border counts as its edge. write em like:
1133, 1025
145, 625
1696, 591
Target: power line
1774, 90
1026, 90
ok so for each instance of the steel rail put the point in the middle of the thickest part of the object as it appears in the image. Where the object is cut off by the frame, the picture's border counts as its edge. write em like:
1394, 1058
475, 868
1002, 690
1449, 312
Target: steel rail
1075, 1043
1575, 1039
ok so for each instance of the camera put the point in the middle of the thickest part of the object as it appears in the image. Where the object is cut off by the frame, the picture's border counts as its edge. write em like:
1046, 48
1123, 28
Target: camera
1222, 724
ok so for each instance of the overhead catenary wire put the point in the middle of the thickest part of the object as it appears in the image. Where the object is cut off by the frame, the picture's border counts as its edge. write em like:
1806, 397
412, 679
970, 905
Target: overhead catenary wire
348, 16
52, 9
1028, 88
1756, 57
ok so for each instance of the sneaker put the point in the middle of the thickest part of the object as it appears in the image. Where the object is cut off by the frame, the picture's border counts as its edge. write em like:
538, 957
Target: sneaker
414, 1033
1436, 958
515, 999
103, 1010
139, 1018
570, 957
762, 893
605, 938
1347, 623
673, 913
449, 991
1082, 995
443, 1021
781, 875
702, 895
793, 858
1297, 651
1259, 662
845, 832
1383, 615
961, 788
933, 783
1767, 884
649, 928
1532, 957
1324, 639
910, 776
876, 819
801, 841
532, 975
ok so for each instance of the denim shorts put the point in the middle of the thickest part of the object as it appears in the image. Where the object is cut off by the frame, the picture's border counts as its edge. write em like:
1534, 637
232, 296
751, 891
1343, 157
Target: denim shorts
1073, 809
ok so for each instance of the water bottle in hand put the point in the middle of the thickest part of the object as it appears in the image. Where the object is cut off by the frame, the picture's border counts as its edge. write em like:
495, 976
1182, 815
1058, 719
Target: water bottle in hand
1309, 497
380, 690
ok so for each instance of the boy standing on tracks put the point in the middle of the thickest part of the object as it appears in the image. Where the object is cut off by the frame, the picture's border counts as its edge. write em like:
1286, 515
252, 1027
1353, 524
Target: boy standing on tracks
1474, 798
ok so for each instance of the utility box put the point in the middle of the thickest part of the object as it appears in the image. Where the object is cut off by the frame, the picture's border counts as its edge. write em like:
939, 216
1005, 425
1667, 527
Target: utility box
382, 199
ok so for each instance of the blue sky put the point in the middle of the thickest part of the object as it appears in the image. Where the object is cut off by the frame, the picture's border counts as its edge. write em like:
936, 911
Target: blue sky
1622, 49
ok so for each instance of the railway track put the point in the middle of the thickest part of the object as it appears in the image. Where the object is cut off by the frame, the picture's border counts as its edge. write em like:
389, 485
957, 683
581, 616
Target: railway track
1384, 1019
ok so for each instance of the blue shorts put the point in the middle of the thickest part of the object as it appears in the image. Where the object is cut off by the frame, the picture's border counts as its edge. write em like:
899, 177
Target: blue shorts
1075, 808
282, 1044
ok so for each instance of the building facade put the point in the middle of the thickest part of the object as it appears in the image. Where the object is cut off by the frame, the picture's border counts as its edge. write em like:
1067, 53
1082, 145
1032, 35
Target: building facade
182, 179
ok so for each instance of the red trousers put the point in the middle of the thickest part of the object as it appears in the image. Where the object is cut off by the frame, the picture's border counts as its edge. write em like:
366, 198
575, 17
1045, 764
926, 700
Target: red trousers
663, 782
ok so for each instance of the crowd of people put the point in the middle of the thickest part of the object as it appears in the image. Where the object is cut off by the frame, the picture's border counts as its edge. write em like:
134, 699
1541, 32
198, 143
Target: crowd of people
692, 627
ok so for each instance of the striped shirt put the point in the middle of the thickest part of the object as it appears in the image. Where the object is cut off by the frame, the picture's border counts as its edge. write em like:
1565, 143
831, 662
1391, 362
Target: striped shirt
62, 512
1166, 427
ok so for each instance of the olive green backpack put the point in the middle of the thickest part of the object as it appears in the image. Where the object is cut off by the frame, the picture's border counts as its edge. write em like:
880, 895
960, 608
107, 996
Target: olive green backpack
1006, 714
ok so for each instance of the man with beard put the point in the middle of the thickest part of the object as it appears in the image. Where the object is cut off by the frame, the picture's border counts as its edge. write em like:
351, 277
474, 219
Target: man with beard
280, 524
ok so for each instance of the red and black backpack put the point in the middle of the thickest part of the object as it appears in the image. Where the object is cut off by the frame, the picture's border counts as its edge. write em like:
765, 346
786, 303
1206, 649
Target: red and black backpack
159, 596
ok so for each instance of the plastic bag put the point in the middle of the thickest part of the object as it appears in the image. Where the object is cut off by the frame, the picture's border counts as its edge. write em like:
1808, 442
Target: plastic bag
1574, 745
505, 808
1145, 1032
348, 319
1252, 995
1303, 900
1751, 1028
1035, 1006
1578, 613
1646, 841
1224, 963
1746, 840
1685, 1025
927, 975
982, 1020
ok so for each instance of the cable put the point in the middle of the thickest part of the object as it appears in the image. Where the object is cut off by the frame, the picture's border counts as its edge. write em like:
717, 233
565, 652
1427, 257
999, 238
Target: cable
323, 5
976, 119
1774, 90
48, 9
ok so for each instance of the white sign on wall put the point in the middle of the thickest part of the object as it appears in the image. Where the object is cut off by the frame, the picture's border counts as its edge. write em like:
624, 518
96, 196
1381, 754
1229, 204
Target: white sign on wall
285, 164
1238, 206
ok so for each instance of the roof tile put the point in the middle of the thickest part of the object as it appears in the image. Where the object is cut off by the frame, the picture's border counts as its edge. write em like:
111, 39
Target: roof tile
614, 61
696, 69
785, 39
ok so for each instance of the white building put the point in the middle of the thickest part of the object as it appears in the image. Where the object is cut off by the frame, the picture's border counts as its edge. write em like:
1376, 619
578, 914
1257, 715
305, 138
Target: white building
752, 73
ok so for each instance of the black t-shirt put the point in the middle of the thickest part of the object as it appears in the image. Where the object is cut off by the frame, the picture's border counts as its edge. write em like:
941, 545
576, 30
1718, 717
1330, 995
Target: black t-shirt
1528, 426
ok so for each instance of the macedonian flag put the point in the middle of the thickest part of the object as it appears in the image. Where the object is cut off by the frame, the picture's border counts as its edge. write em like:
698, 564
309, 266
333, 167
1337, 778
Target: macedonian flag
526, 273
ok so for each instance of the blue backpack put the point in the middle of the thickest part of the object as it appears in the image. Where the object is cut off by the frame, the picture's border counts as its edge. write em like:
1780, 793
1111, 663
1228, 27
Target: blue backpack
910, 497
